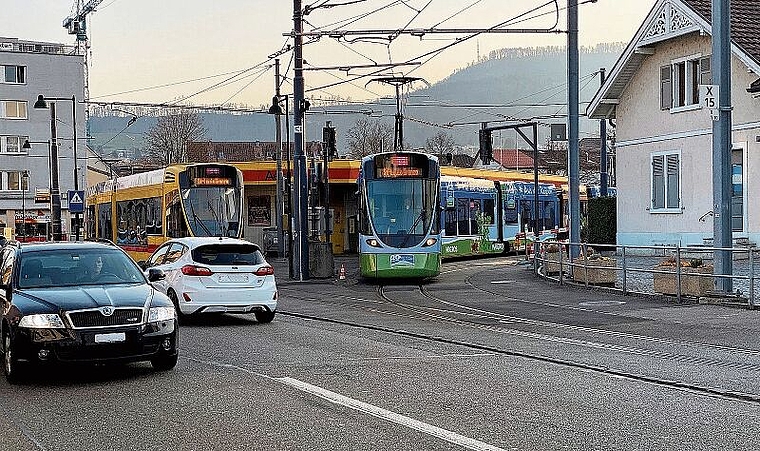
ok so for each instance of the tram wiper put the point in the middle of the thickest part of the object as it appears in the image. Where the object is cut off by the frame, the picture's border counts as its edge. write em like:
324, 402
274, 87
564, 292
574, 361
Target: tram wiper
414, 226
218, 220
196, 218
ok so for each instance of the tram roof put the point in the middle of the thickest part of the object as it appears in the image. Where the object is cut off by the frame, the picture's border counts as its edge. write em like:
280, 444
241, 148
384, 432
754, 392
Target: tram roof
503, 176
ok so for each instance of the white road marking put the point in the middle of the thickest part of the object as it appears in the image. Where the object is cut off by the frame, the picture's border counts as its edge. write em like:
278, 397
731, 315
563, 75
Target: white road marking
496, 282
387, 415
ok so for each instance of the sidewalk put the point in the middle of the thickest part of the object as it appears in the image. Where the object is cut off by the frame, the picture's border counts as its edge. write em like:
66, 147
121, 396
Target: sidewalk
349, 261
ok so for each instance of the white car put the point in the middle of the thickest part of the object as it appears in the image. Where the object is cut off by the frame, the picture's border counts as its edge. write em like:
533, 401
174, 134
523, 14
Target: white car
207, 275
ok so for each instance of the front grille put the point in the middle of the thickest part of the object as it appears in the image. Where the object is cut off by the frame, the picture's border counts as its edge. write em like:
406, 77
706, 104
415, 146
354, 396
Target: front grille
95, 318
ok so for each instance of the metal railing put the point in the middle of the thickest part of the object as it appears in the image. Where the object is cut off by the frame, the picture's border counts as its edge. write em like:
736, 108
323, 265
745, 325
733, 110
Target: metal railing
670, 270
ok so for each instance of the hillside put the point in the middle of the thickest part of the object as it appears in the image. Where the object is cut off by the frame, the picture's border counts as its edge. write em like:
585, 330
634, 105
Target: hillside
514, 79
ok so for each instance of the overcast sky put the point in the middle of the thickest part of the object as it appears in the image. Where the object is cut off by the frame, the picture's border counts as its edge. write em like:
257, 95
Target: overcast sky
138, 44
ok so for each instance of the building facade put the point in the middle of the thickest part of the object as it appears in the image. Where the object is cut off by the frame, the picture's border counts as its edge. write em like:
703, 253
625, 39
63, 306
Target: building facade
664, 136
27, 70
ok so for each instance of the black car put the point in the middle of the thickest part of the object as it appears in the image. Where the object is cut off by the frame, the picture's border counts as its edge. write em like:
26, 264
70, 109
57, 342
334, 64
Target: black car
81, 302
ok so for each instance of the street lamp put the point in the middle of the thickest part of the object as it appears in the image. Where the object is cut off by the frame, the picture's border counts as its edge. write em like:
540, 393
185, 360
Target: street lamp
41, 104
28, 145
276, 109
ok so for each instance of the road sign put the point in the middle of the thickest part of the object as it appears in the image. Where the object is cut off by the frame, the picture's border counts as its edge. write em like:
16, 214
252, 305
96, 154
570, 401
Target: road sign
76, 201
709, 97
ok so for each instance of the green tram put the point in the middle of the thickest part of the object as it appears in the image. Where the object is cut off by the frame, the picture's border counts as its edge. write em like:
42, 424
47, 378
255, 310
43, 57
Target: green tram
399, 231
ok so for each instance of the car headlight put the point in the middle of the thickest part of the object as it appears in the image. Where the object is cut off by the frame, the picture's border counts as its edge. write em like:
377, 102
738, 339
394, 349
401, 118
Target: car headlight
42, 321
157, 314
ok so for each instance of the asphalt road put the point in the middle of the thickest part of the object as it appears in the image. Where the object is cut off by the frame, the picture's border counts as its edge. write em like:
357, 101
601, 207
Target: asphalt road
485, 357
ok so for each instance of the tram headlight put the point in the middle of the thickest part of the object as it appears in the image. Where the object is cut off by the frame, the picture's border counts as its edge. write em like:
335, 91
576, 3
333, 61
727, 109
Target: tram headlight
373, 242
430, 242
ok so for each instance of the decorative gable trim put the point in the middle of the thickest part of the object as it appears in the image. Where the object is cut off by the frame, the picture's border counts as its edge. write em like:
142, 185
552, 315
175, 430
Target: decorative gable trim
667, 19
669, 23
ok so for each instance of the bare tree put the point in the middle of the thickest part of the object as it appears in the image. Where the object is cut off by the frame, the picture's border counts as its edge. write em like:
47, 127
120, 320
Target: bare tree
440, 144
369, 136
167, 140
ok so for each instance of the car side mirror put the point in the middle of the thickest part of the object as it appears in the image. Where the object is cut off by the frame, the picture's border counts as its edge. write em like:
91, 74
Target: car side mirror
142, 264
155, 274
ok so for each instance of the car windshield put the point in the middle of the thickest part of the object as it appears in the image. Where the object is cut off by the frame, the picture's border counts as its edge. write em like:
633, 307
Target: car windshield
228, 254
74, 267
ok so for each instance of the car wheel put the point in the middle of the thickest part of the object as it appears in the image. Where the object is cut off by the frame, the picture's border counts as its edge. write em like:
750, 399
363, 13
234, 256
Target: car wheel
164, 362
264, 317
11, 366
175, 300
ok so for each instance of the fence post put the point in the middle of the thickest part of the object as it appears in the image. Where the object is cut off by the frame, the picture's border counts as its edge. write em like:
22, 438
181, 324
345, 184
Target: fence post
536, 246
678, 272
625, 275
752, 277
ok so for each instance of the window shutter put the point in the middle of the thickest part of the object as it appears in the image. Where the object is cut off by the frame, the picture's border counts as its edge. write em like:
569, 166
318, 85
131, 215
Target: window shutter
673, 200
705, 71
666, 88
658, 182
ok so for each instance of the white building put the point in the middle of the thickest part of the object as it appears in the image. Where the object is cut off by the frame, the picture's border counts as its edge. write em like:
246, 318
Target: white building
29, 69
664, 137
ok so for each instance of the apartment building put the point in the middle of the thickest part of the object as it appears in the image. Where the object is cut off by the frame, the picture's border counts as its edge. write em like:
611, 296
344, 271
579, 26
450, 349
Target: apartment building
29, 69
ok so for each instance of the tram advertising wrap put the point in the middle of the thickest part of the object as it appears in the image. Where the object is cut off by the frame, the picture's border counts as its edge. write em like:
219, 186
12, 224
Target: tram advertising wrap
399, 234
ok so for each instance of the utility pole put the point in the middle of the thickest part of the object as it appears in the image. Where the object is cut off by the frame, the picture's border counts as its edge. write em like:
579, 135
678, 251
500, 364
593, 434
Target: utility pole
603, 147
278, 138
722, 144
300, 212
573, 124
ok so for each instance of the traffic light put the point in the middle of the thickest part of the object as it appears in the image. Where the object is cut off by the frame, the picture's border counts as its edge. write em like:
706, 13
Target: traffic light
328, 142
486, 149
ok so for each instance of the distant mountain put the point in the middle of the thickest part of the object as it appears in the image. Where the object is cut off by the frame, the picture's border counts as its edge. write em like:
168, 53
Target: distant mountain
514, 79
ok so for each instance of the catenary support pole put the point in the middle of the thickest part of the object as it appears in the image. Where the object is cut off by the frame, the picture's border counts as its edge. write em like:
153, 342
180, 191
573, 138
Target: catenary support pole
602, 147
300, 203
573, 124
278, 139
722, 145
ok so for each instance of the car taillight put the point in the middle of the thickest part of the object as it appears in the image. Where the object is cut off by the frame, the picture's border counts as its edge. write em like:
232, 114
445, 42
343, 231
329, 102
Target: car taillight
264, 271
190, 270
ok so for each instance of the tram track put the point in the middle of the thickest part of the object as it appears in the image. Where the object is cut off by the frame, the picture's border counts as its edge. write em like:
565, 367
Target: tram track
406, 310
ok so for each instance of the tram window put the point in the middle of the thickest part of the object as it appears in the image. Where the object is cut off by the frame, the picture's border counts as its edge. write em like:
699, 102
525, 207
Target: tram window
104, 221
463, 216
510, 216
176, 227
488, 209
138, 218
450, 223
475, 210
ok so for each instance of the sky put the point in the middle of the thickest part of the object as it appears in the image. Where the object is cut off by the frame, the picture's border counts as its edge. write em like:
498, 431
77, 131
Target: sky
157, 51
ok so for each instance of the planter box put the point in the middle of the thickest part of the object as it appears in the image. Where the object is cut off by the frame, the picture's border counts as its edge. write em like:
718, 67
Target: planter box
552, 262
691, 285
595, 276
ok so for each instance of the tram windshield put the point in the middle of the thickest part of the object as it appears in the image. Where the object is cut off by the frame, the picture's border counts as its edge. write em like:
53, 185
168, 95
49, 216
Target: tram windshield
402, 210
213, 211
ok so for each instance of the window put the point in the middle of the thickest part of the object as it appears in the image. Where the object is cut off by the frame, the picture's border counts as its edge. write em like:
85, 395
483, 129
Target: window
12, 109
666, 189
13, 181
104, 221
14, 74
679, 82
176, 251
12, 144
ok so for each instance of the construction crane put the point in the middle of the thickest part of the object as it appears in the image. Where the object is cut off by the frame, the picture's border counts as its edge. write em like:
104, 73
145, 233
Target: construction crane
77, 25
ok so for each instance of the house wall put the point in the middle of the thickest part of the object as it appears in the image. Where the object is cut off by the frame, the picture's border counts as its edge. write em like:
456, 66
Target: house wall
643, 128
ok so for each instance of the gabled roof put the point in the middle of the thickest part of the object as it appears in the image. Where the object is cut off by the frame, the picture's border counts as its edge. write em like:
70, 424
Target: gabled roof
513, 158
669, 19
210, 151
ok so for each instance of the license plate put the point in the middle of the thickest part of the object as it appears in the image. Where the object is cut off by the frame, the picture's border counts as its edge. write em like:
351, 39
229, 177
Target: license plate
111, 338
233, 278
402, 260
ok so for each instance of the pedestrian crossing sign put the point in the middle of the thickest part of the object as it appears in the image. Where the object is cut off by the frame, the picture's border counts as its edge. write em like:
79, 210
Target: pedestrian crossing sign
76, 201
